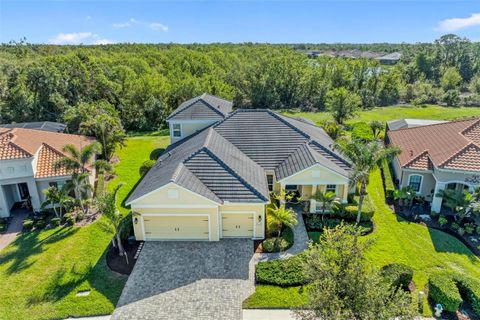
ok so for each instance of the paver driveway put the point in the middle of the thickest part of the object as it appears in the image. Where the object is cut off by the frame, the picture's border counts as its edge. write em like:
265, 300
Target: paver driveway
189, 280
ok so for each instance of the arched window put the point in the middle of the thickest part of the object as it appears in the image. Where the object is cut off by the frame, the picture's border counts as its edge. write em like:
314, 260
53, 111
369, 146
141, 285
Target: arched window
415, 181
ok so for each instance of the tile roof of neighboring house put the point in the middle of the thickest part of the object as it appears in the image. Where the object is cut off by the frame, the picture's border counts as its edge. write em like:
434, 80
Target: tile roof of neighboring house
452, 145
227, 161
17, 143
204, 107
410, 123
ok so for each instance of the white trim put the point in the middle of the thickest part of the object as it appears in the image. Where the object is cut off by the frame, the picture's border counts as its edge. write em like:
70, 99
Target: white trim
421, 181
173, 206
54, 178
178, 215
191, 121
312, 166
142, 223
166, 186
172, 130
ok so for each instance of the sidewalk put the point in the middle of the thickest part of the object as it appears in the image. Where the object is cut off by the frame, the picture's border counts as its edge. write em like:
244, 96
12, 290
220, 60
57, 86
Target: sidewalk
267, 314
14, 228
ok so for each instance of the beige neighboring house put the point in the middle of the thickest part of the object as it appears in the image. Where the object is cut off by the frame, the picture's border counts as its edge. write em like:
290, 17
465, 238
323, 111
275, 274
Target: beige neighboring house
216, 182
27, 158
438, 156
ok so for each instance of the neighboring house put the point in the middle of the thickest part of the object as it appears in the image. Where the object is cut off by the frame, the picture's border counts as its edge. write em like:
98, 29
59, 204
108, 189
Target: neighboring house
438, 156
43, 125
196, 114
215, 183
408, 123
390, 59
27, 160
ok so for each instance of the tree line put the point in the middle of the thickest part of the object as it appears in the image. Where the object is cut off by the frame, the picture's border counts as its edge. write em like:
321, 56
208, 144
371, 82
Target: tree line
95, 89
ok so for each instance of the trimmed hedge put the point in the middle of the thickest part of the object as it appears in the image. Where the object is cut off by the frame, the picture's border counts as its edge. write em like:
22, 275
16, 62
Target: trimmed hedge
146, 165
350, 213
388, 179
283, 272
443, 290
469, 289
282, 244
399, 275
362, 131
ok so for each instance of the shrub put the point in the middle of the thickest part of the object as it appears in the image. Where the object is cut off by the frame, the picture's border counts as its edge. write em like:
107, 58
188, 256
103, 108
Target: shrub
362, 131
350, 213
127, 226
314, 222
156, 153
477, 230
470, 290
282, 272
40, 224
442, 220
388, 179
55, 222
443, 290
69, 219
276, 244
455, 226
27, 224
146, 165
399, 275
79, 216
469, 227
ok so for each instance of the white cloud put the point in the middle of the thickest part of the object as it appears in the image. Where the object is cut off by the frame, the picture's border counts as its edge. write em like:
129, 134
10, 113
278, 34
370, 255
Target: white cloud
454, 24
103, 41
127, 24
73, 38
158, 26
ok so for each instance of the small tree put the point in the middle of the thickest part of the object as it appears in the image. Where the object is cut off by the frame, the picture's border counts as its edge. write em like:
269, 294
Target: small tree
107, 205
343, 284
377, 128
451, 79
342, 104
57, 198
82, 188
278, 216
77, 160
327, 199
365, 157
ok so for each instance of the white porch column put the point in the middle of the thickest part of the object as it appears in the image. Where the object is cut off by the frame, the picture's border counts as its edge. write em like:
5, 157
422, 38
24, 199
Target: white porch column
34, 196
345, 193
282, 189
437, 201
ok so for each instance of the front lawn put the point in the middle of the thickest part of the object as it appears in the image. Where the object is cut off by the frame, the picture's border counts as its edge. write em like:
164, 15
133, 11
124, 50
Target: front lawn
384, 114
425, 250
41, 272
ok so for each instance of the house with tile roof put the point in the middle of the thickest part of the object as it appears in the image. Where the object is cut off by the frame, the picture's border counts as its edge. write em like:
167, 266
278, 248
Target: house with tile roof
438, 156
27, 158
216, 182
196, 114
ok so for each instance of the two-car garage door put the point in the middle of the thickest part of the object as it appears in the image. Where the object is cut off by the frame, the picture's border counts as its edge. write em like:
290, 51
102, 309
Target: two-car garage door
171, 227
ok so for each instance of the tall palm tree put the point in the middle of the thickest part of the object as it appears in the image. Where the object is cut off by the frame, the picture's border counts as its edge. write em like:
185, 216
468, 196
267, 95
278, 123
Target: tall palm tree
279, 216
365, 157
107, 205
82, 188
78, 159
57, 198
327, 199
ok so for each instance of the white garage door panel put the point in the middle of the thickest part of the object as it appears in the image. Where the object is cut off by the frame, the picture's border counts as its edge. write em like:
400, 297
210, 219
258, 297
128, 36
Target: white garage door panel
176, 227
237, 225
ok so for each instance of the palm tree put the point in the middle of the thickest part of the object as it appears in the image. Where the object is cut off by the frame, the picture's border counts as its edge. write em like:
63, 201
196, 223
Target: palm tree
77, 160
327, 199
377, 127
462, 203
82, 188
56, 197
365, 157
107, 205
279, 216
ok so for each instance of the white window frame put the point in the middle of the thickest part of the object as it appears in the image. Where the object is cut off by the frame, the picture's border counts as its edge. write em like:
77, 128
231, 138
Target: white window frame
270, 185
335, 188
177, 130
419, 185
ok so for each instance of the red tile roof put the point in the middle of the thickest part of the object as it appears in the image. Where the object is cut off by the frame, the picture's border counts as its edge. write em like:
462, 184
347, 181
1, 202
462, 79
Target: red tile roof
21, 143
453, 145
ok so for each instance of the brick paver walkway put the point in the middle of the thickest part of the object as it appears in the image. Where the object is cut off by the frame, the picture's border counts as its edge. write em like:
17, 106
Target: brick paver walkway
14, 228
189, 280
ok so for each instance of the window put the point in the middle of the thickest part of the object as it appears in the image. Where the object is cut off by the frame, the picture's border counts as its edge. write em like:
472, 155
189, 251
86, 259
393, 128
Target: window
53, 184
291, 187
270, 182
331, 188
415, 181
177, 130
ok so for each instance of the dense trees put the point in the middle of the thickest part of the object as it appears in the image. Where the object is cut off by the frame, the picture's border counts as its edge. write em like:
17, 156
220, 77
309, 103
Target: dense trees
135, 86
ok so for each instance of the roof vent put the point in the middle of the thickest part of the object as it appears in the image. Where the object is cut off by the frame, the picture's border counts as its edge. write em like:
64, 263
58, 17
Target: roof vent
411, 153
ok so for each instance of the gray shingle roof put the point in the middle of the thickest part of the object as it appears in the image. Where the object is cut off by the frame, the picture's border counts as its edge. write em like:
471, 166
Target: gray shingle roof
227, 161
204, 107
41, 125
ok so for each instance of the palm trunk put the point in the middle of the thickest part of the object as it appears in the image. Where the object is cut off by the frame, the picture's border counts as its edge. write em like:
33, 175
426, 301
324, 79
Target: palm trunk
360, 201
121, 250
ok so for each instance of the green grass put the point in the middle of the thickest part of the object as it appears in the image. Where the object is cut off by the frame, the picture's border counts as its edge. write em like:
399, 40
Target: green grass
426, 250
384, 114
273, 297
41, 271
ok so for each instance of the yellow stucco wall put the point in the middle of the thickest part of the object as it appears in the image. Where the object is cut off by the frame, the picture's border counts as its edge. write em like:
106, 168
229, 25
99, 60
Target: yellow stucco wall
315, 175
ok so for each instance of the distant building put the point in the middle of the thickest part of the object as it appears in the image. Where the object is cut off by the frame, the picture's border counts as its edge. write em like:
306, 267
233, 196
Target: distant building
40, 125
410, 123
390, 59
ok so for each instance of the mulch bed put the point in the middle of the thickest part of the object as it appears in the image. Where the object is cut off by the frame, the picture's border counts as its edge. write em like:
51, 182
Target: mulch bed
119, 264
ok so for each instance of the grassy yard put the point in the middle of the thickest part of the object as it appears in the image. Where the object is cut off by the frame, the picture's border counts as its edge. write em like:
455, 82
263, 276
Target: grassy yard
425, 250
398, 112
41, 272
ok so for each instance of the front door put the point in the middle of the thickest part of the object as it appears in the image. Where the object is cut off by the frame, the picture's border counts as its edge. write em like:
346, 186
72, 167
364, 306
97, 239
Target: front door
23, 191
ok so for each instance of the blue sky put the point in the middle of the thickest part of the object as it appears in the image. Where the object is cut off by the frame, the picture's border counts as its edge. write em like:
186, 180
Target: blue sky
88, 22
